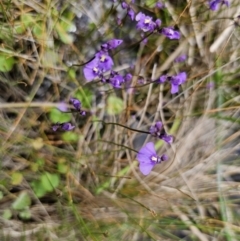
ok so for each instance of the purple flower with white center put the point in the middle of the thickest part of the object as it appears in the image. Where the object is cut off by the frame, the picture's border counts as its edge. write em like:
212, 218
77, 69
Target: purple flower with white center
180, 58
214, 4
66, 126
170, 33
158, 131
177, 80
160, 5
105, 62
91, 70
148, 158
145, 23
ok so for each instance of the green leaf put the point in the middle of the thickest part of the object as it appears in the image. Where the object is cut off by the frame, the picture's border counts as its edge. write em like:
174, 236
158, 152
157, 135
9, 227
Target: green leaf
6, 62
85, 95
62, 168
1, 195
63, 35
38, 188
25, 214
150, 3
115, 105
22, 201
38, 30
17, 178
57, 116
70, 136
27, 20
7, 214
49, 181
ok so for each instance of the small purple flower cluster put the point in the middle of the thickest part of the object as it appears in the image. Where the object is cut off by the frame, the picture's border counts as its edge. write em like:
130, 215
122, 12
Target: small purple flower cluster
66, 126
147, 156
175, 80
214, 4
146, 24
130, 11
101, 67
102, 63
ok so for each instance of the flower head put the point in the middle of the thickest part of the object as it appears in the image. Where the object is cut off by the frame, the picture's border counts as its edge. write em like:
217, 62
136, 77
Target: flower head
105, 62
177, 80
160, 5
131, 13
145, 23
124, 5
180, 58
78, 106
116, 80
111, 44
148, 158
163, 78
66, 126
214, 4
170, 33
92, 70
62, 106
158, 131
76, 103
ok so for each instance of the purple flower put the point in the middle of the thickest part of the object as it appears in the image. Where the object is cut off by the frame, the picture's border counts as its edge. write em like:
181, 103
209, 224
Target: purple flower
158, 131
128, 77
105, 62
160, 5
148, 158
111, 44
66, 126
131, 13
124, 5
56, 126
145, 23
62, 107
116, 80
214, 4
170, 33
177, 80
180, 58
76, 103
163, 78
91, 70
78, 106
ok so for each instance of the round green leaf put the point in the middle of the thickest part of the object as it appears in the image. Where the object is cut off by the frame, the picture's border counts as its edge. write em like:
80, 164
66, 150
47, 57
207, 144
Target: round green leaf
49, 181
17, 178
22, 201
6, 62
115, 105
57, 116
